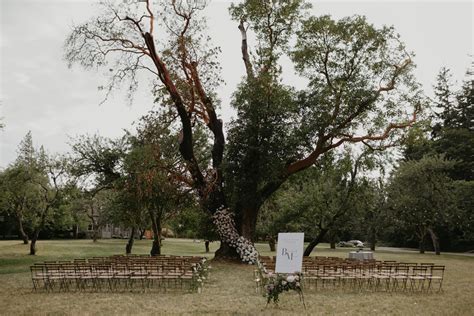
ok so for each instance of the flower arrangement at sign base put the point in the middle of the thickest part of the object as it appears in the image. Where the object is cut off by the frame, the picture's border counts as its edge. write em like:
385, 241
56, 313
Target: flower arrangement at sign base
228, 233
278, 283
200, 274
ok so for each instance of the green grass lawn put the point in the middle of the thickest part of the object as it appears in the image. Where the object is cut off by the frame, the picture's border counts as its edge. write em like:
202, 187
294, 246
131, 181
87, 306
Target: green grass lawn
231, 289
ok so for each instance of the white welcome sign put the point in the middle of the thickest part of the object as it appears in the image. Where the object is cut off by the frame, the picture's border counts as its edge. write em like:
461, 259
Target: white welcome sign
289, 253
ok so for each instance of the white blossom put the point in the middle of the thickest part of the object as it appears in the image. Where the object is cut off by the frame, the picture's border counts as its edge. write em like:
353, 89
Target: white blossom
228, 233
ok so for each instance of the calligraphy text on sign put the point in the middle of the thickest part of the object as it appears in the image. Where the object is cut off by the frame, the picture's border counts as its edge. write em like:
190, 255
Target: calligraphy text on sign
289, 253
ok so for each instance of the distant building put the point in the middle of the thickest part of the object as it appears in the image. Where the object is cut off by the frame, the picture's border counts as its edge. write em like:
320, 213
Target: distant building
108, 231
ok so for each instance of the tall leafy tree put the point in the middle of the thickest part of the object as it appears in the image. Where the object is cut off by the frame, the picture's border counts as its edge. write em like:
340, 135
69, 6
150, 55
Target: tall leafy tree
421, 198
148, 184
123, 209
73, 200
360, 90
449, 133
465, 99
96, 163
454, 135
50, 181
33, 188
444, 100
142, 174
17, 196
464, 217
375, 215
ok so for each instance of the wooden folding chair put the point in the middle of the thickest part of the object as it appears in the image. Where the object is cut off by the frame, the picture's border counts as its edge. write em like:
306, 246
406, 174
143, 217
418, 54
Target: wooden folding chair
38, 272
400, 278
418, 278
436, 274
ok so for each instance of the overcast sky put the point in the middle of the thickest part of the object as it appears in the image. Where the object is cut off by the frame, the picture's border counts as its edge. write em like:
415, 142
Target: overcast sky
39, 93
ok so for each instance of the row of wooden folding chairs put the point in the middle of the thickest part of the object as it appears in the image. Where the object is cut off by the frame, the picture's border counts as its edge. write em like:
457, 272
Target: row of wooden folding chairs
98, 275
153, 258
382, 277
109, 277
144, 259
389, 275
265, 259
164, 261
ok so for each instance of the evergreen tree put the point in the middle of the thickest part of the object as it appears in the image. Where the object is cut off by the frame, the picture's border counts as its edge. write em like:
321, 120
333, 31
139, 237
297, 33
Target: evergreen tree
444, 101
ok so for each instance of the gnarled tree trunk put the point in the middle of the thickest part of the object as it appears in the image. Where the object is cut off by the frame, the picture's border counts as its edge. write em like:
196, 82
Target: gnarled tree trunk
128, 248
95, 233
435, 240
422, 245
226, 252
372, 239
23, 235
271, 243
248, 223
75, 231
156, 228
421, 239
332, 240
315, 242
33, 242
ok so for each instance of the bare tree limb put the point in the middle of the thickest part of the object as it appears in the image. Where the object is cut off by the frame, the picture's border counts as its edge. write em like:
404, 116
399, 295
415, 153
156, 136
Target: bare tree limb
321, 148
244, 49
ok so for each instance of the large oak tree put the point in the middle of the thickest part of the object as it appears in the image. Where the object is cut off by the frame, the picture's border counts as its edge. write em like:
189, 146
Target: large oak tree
360, 90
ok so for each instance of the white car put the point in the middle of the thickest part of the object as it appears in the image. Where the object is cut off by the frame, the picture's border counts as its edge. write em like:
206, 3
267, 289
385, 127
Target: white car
356, 243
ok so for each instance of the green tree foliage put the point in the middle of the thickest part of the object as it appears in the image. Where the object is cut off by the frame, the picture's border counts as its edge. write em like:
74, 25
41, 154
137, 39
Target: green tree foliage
75, 206
464, 217
97, 164
421, 198
324, 201
455, 109
261, 143
17, 196
97, 160
417, 142
33, 189
51, 182
458, 145
142, 175
152, 187
375, 217
194, 222
465, 99
444, 101
449, 133
454, 135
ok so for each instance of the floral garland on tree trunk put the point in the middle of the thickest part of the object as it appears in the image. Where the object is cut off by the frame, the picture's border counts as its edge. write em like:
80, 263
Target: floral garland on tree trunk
224, 221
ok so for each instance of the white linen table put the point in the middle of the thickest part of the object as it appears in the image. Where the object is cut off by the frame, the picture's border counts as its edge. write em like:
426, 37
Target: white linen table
361, 255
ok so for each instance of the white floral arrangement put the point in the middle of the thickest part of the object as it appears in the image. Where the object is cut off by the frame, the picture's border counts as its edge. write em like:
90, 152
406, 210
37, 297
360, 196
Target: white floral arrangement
276, 283
200, 274
223, 219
